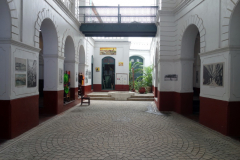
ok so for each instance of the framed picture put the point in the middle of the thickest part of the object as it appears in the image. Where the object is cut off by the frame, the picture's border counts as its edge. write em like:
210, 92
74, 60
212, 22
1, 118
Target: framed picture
171, 77
20, 80
213, 74
60, 75
31, 73
97, 69
120, 63
108, 51
20, 64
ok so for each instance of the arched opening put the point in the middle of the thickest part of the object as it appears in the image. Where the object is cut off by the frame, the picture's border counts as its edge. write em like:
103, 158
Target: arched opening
5, 17
69, 70
234, 39
234, 42
108, 73
81, 69
156, 73
135, 59
5, 33
191, 49
48, 43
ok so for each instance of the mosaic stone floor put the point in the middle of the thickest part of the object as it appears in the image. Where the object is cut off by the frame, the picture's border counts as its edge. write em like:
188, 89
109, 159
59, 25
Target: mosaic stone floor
119, 131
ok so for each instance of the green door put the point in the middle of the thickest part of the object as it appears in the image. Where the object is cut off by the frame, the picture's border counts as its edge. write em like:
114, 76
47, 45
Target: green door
108, 73
134, 59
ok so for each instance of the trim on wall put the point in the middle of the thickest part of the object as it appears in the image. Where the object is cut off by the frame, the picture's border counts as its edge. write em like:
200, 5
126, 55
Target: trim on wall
19, 44
220, 50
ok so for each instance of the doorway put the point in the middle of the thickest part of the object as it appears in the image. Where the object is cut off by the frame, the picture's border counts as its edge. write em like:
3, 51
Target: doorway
108, 73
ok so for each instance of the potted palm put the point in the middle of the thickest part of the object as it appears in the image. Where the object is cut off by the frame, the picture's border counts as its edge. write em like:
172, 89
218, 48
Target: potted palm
147, 78
134, 68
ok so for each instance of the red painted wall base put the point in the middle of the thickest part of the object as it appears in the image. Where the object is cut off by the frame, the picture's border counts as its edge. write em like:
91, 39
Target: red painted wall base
98, 88
122, 87
18, 116
74, 93
87, 89
173, 101
221, 116
155, 91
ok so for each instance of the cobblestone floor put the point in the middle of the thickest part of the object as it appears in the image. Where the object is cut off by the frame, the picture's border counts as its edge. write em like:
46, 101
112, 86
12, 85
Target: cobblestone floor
119, 131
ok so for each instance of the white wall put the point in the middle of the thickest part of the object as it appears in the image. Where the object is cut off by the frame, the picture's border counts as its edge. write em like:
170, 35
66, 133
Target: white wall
122, 55
24, 43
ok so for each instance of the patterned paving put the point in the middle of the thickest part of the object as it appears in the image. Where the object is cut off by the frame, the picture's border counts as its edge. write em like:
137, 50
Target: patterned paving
119, 131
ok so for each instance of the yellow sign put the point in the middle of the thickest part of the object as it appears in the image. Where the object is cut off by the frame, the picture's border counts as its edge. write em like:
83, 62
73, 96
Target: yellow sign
97, 69
120, 63
108, 51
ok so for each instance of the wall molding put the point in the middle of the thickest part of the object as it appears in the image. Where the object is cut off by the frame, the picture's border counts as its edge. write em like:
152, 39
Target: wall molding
19, 44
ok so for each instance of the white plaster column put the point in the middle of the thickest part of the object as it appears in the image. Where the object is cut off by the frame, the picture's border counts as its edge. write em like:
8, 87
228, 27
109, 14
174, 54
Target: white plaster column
185, 76
52, 66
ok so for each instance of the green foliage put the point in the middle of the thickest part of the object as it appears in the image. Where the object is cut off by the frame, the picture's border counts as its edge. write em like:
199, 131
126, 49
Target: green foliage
145, 80
137, 67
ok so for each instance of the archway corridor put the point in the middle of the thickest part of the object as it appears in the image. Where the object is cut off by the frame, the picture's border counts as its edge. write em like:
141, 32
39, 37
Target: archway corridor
116, 130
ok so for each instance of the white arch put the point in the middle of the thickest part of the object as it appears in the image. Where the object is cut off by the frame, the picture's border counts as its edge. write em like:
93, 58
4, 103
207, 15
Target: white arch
42, 15
234, 25
198, 22
225, 36
69, 50
65, 35
14, 28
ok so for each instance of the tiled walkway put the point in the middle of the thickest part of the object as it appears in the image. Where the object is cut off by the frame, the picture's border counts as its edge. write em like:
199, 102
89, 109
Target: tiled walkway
119, 131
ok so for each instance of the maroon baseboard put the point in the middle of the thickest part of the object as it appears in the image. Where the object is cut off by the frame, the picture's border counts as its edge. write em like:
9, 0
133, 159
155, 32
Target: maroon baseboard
18, 116
122, 87
74, 93
173, 101
87, 89
183, 103
97, 87
165, 101
52, 102
221, 116
155, 92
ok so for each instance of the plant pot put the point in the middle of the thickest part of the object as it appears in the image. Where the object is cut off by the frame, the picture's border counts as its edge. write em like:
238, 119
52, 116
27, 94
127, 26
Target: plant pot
141, 90
149, 89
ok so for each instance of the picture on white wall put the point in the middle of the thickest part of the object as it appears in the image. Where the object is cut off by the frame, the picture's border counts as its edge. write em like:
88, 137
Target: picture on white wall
213, 74
171, 77
60, 75
20, 80
20, 64
31, 73
108, 51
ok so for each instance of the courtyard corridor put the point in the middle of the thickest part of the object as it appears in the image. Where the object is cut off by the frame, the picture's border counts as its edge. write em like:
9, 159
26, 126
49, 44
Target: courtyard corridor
115, 130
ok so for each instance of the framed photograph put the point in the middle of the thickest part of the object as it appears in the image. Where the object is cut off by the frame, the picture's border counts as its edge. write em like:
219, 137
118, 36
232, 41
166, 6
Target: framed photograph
31, 73
120, 63
20, 64
213, 74
108, 51
171, 77
196, 76
97, 69
60, 75
20, 80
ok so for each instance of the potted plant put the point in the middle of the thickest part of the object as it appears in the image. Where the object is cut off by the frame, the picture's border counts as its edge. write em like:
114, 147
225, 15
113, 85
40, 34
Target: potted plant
147, 77
134, 68
145, 81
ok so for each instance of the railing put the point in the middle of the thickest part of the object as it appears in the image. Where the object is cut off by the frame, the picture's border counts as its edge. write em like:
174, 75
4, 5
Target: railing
117, 14
69, 4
